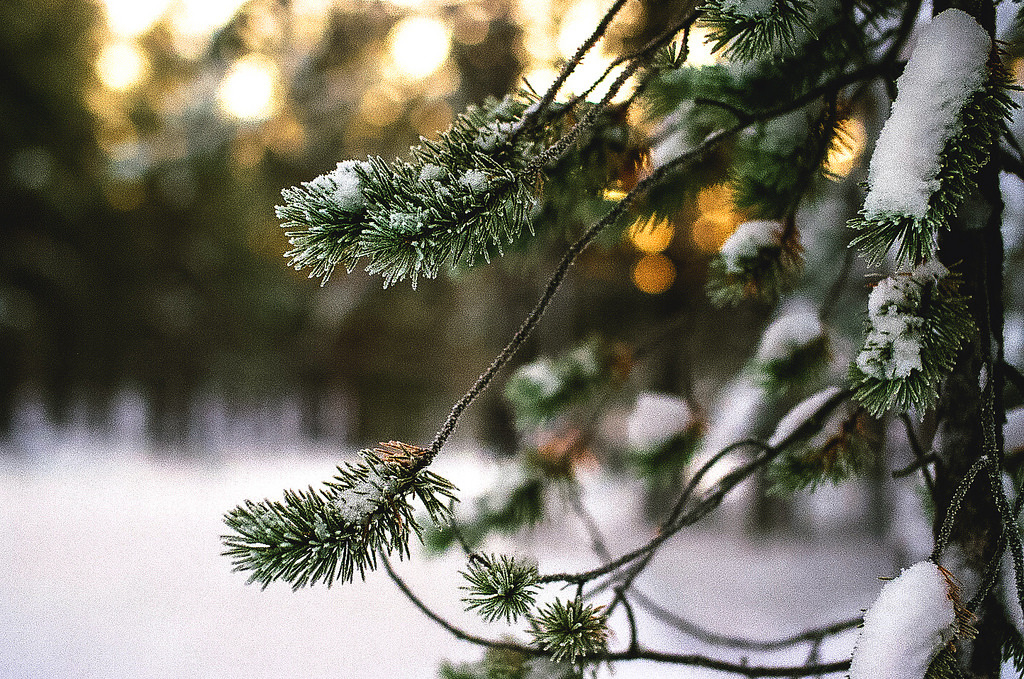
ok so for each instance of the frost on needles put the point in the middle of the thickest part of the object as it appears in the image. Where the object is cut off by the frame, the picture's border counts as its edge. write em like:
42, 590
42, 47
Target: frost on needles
948, 111
330, 534
457, 199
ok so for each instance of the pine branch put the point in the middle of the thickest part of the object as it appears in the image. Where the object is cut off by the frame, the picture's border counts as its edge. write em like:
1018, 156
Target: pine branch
499, 587
330, 534
917, 323
745, 31
913, 238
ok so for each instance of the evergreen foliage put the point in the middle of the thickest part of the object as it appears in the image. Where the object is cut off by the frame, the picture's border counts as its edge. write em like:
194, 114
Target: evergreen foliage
917, 323
330, 534
912, 239
459, 199
846, 452
499, 587
748, 29
570, 630
765, 128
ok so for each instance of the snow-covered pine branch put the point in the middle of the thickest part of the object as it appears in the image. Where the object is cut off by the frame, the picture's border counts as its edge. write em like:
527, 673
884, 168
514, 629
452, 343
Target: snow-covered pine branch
330, 534
758, 261
949, 110
459, 199
915, 617
917, 321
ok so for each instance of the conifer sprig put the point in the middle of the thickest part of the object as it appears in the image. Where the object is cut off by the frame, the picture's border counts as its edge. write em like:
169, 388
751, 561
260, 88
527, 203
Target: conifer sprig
744, 30
918, 321
500, 587
570, 630
330, 534
456, 200
912, 239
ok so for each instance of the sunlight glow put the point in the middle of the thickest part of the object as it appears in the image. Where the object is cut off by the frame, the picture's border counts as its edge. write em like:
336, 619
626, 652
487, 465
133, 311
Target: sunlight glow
576, 27
846, 149
419, 46
249, 90
699, 53
131, 18
121, 66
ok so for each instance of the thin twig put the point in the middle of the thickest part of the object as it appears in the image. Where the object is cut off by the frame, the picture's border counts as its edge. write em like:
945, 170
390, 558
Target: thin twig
923, 459
687, 627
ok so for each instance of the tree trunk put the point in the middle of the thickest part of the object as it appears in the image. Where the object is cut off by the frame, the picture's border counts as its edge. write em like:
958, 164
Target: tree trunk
973, 248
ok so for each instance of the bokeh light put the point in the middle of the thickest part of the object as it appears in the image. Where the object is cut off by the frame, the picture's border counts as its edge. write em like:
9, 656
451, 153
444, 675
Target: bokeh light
419, 46
131, 18
651, 235
698, 51
717, 218
249, 89
654, 273
121, 66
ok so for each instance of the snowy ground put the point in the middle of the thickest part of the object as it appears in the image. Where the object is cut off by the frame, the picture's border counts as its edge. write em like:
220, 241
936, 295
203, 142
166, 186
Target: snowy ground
110, 567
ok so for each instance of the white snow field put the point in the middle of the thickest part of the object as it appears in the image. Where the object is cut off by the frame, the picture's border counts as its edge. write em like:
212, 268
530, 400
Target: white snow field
110, 567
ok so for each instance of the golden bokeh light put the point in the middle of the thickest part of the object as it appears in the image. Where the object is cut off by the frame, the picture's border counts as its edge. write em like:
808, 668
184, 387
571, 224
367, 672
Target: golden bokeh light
121, 66
654, 273
717, 218
419, 46
576, 27
846, 151
651, 235
249, 89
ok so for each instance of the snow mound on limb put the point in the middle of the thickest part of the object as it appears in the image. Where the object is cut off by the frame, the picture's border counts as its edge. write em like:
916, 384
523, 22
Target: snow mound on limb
911, 621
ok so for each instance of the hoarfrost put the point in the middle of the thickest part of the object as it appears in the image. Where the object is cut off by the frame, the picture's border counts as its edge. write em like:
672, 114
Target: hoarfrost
945, 69
910, 622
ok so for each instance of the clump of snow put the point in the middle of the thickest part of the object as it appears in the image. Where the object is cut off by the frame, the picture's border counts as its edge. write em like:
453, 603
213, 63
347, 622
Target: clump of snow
892, 349
747, 242
912, 619
655, 419
1013, 430
431, 173
945, 69
343, 185
355, 504
476, 181
788, 334
800, 413
542, 376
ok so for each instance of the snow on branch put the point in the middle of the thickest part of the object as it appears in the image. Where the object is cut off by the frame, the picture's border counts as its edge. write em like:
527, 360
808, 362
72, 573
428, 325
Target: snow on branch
915, 617
947, 113
917, 321
457, 200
